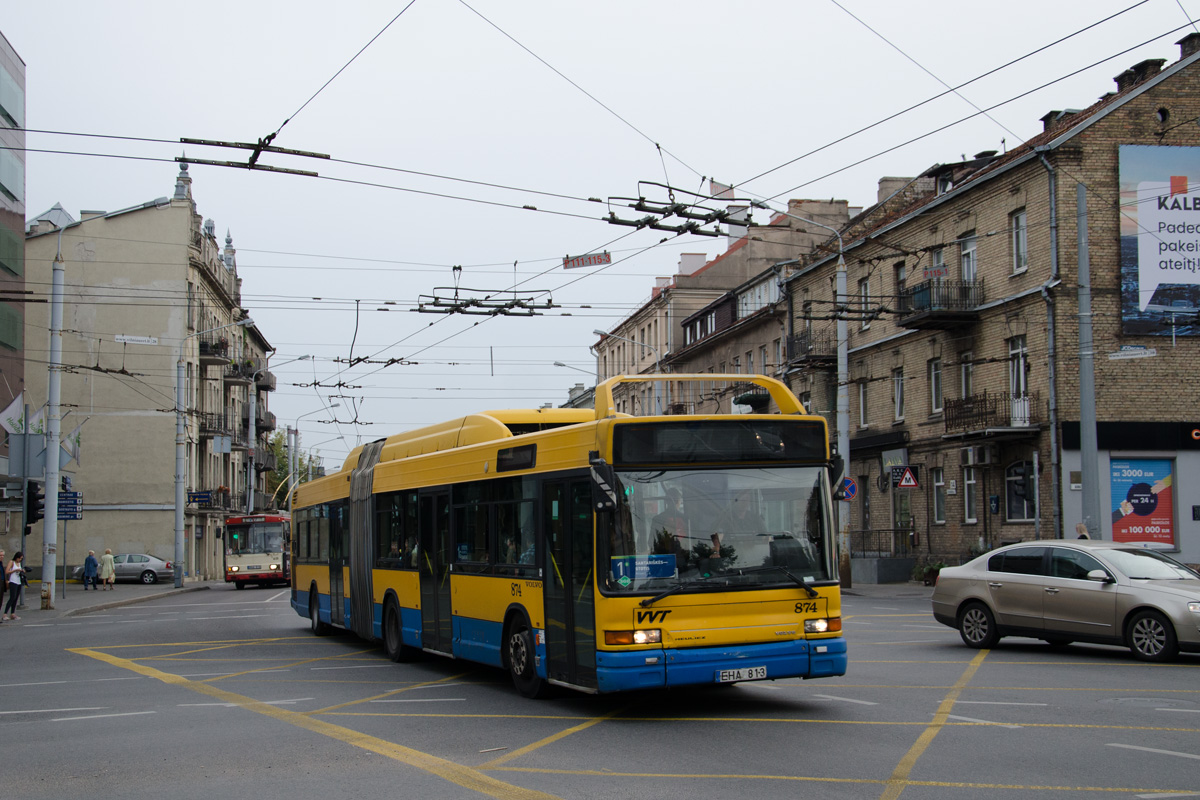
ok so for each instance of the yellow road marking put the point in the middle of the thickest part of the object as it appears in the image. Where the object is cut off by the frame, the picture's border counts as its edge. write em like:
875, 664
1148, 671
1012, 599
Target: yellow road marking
529, 748
447, 770
815, 779
274, 640
216, 678
899, 778
328, 709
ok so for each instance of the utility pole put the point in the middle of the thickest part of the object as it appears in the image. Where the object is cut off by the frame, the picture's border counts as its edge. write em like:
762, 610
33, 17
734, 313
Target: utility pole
54, 427
1088, 446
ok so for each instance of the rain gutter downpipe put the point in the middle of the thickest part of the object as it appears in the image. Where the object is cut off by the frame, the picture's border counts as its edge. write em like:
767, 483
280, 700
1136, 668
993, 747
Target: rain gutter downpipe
1052, 349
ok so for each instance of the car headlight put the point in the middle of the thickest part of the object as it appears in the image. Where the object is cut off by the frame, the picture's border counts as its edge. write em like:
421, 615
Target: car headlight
1194, 607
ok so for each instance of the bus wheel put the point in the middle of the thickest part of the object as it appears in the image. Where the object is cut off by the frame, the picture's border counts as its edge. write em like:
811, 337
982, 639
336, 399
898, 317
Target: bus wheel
521, 655
393, 638
240, 584
314, 616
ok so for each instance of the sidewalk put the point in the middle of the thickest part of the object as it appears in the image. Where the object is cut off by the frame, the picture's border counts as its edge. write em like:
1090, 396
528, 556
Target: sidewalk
77, 601
881, 590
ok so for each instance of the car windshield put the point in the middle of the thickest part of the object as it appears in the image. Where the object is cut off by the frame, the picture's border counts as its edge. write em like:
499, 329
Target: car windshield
1148, 565
710, 529
256, 538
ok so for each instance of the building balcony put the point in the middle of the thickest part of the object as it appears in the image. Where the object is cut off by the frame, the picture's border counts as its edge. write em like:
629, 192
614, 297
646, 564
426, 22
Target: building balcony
213, 350
812, 347
263, 420
239, 374
266, 381
988, 412
214, 425
940, 304
750, 394
217, 498
265, 461
264, 502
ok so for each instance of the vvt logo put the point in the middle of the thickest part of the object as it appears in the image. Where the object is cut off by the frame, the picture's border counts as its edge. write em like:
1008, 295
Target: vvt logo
652, 616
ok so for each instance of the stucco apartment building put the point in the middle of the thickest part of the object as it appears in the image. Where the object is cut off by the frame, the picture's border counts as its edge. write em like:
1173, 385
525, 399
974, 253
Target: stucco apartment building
146, 287
12, 258
964, 333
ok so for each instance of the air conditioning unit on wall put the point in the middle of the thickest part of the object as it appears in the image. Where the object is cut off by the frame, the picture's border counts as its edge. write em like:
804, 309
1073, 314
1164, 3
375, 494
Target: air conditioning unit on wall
977, 456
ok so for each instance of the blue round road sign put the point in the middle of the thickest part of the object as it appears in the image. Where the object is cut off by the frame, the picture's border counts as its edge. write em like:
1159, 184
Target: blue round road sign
849, 488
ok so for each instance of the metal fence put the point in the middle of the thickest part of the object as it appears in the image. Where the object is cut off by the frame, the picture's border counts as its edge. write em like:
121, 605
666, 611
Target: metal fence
993, 410
882, 542
940, 295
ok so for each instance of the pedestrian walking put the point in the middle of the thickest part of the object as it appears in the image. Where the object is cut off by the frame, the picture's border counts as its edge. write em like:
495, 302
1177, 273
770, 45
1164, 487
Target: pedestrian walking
91, 569
3, 583
108, 571
13, 576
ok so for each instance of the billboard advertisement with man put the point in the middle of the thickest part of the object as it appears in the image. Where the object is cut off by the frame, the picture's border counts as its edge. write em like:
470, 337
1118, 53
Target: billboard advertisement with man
1160, 240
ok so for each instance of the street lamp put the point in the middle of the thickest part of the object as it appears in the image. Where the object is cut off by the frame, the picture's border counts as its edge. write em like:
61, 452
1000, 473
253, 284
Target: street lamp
181, 444
843, 382
657, 361
294, 451
568, 366
251, 434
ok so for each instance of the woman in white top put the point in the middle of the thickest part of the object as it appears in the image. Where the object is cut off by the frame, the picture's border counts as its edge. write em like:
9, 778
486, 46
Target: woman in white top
12, 575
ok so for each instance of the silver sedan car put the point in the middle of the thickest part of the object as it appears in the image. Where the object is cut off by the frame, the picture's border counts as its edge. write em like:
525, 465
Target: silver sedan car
1071, 590
137, 567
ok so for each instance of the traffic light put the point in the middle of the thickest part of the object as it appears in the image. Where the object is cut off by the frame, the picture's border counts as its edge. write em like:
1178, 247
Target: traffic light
35, 502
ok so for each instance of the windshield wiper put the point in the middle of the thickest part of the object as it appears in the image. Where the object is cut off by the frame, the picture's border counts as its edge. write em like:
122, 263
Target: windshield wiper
649, 601
803, 584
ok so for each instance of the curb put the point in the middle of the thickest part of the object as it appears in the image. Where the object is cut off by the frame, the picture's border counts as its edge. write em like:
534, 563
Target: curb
129, 601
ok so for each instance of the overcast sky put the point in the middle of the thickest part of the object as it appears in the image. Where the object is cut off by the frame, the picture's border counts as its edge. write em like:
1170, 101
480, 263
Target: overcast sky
542, 104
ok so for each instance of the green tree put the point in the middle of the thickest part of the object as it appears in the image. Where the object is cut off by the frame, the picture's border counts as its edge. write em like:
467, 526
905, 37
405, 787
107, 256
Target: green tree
278, 477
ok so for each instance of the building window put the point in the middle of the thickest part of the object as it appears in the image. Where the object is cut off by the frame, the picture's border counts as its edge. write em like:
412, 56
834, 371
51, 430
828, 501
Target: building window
970, 267
864, 298
1020, 241
901, 276
937, 477
937, 265
1018, 366
762, 359
806, 401
863, 416
935, 386
970, 503
966, 373
749, 362
779, 353
898, 393
1019, 489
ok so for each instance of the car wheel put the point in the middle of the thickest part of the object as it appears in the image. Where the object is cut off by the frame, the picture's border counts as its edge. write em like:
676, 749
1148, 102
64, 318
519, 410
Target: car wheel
318, 627
1151, 637
521, 654
977, 626
148, 577
393, 637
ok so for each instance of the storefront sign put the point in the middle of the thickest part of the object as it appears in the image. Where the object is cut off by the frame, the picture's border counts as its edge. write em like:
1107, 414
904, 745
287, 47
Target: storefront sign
1143, 508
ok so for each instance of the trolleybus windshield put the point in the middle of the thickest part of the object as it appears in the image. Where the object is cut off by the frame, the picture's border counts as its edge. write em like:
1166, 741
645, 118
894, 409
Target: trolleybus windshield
257, 537
716, 529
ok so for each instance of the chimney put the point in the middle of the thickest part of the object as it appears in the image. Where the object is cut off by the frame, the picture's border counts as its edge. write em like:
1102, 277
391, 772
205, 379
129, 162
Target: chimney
689, 263
1048, 120
1188, 45
986, 154
1139, 72
889, 186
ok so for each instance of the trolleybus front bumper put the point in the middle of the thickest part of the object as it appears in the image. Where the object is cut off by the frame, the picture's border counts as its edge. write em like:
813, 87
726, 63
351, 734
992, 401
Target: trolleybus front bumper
647, 669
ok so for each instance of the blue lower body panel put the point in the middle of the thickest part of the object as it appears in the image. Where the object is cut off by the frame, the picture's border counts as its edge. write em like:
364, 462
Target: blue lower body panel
477, 640
646, 669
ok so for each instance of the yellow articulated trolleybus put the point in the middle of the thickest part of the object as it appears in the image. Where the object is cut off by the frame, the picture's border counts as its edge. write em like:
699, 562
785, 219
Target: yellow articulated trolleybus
587, 549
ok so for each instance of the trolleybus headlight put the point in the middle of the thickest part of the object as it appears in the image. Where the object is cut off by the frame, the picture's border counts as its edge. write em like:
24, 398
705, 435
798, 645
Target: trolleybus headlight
653, 636
274, 566
822, 625
233, 569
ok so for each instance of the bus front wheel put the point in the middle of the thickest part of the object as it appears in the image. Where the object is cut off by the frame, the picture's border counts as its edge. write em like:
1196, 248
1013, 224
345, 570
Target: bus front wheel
318, 627
393, 637
521, 662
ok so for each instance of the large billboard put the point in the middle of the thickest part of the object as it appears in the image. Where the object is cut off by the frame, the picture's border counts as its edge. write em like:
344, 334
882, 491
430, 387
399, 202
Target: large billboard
1160, 240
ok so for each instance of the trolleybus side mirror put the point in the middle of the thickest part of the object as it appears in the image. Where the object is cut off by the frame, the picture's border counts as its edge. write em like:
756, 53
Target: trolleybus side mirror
604, 484
837, 474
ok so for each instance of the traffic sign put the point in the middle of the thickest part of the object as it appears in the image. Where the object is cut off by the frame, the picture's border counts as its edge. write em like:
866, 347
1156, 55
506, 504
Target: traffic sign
849, 488
904, 476
70, 505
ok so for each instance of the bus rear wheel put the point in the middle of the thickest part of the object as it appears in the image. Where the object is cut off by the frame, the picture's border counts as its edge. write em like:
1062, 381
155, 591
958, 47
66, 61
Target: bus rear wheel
240, 584
393, 637
521, 662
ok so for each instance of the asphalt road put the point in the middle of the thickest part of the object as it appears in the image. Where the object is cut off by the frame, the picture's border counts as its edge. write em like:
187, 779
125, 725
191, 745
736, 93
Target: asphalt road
219, 691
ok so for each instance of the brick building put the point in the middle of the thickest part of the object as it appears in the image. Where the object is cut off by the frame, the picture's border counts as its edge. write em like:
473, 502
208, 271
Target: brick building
964, 330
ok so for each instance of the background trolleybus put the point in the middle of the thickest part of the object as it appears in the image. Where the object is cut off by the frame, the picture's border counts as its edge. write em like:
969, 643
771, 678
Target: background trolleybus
256, 550
587, 548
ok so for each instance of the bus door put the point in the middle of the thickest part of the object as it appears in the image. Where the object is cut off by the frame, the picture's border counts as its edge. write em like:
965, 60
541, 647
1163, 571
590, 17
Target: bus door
569, 582
434, 571
338, 550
